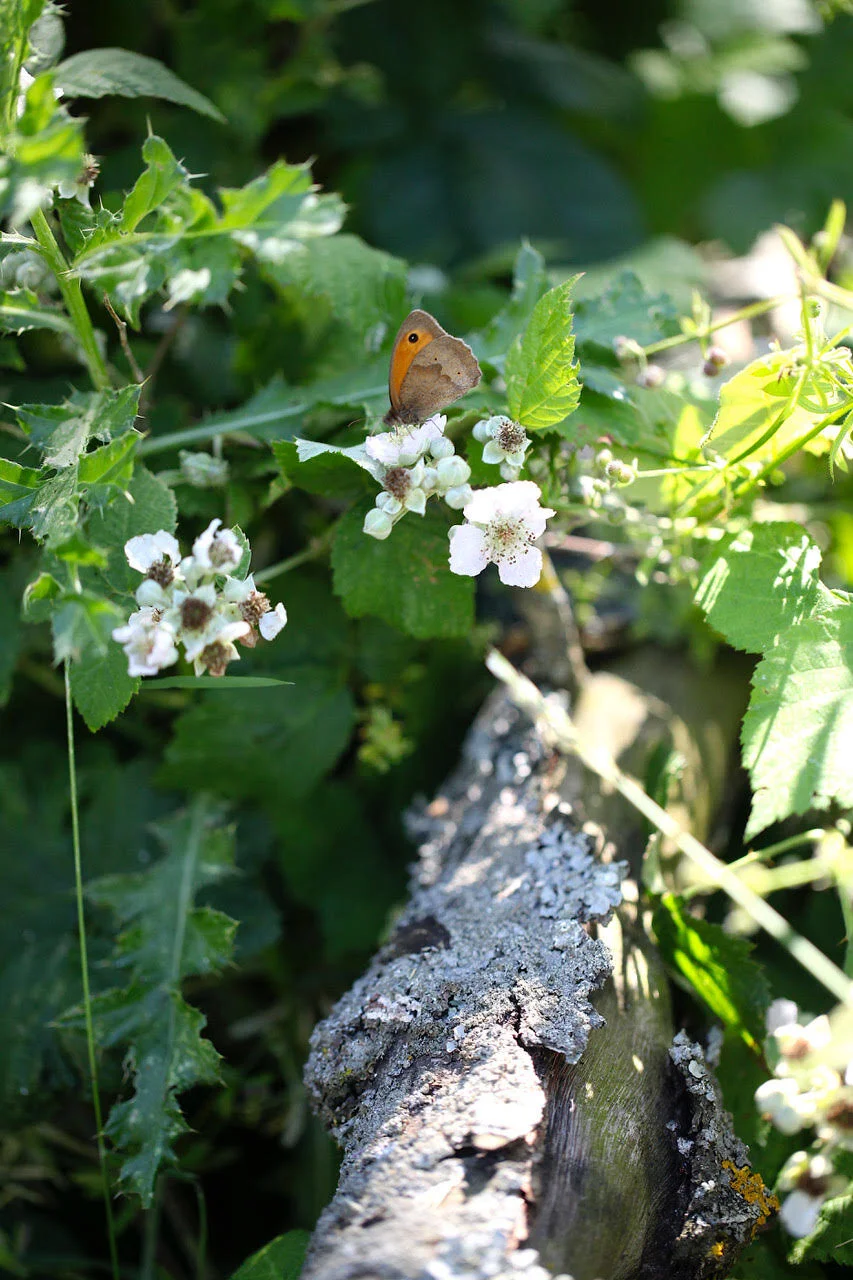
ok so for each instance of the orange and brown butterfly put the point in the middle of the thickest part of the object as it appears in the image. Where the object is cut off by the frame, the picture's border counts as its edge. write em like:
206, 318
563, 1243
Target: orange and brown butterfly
429, 370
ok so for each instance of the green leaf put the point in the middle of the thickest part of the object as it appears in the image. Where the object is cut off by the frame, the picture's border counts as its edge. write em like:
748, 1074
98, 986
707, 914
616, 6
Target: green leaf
542, 385
163, 175
771, 404
22, 310
797, 732
264, 746
82, 626
406, 579
832, 1238
44, 147
210, 682
361, 285
63, 431
327, 469
717, 967
165, 938
281, 1259
624, 308
97, 73
18, 489
100, 685
151, 506
757, 583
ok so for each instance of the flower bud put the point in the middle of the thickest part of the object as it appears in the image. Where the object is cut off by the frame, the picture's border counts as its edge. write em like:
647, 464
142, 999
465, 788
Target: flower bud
377, 524
442, 448
452, 472
459, 497
203, 470
652, 376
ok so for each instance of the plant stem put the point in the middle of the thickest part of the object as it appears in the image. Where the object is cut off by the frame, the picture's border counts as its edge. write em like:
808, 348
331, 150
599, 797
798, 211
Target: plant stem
313, 551
72, 295
558, 725
151, 1234
84, 973
745, 313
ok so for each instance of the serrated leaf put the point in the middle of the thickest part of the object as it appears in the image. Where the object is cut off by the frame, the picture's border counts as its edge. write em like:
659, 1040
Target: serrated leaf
281, 1259
149, 506
757, 583
165, 937
406, 579
18, 489
797, 731
717, 967
98, 73
63, 431
100, 685
261, 745
161, 176
542, 385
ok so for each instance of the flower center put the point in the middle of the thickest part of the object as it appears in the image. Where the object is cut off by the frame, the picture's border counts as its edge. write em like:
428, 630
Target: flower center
254, 607
219, 553
215, 658
161, 572
841, 1113
397, 482
506, 538
511, 437
194, 613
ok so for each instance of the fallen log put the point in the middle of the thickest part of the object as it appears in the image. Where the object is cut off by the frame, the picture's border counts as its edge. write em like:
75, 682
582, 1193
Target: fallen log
504, 1078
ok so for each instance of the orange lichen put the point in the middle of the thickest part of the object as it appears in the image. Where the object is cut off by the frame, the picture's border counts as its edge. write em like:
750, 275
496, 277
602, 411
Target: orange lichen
750, 1186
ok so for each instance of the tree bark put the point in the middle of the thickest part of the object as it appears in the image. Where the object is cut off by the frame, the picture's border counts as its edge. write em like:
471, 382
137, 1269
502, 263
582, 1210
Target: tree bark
504, 1078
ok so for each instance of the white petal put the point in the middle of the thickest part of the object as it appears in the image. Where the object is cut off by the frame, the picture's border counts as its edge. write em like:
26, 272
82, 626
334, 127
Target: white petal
467, 550
523, 570
202, 544
150, 593
271, 623
385, 448
415, 500
493, 453
780, 1013
236, 591
484, 506
520, 498
149, 548
377, 524
799, 1213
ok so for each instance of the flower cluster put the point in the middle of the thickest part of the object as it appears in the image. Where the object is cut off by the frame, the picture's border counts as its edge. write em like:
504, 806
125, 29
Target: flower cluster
502, 523
415, 464
805, 1093
193, 601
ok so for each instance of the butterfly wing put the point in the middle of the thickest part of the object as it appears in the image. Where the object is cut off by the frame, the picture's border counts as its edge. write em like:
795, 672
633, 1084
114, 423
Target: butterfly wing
441, 371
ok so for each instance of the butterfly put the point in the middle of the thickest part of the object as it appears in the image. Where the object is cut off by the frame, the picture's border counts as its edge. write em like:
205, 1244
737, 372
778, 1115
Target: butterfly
429, 370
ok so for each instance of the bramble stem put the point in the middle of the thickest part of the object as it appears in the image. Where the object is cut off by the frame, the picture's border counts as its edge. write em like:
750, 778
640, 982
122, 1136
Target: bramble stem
72, 296
84, 973
745, 313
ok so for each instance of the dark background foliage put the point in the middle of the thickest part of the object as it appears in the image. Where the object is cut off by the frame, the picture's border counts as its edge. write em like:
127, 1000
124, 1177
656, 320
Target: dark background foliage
452, 130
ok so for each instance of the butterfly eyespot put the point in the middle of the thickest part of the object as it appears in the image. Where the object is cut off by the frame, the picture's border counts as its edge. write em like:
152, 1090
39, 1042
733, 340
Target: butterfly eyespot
413, 337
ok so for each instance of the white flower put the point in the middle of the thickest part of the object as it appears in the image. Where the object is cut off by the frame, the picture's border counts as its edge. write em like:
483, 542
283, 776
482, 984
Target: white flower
272, 622
78, 188
404, 446
406, 485
781, 1102
217, 550
504, 441
148, 642
503, 524
377, 524
149, 549
811, 1181
799, 1213
780, 1013
459, 497
796, 1041
215, 649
